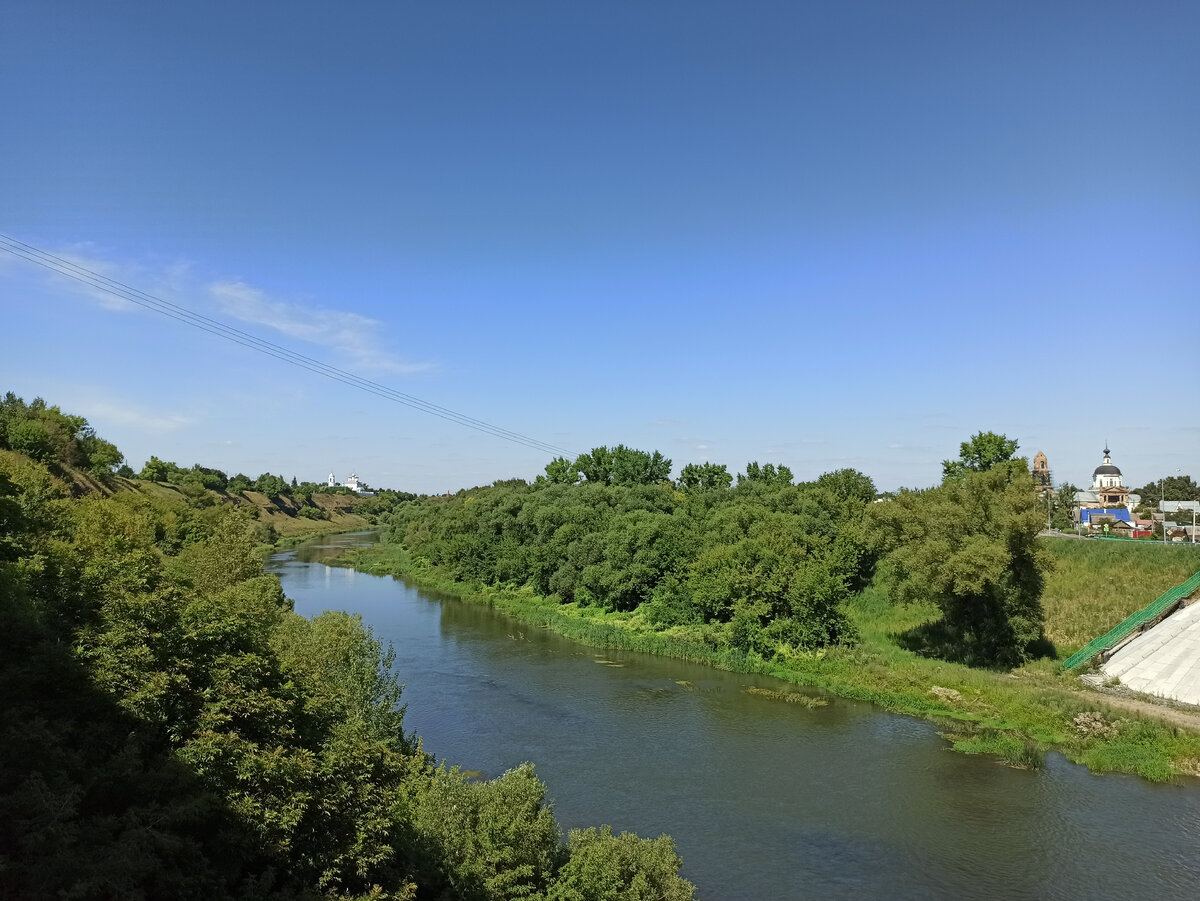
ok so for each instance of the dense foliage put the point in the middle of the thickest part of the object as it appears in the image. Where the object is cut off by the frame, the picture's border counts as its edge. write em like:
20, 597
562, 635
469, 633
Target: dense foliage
969, 546
48, 435
1171, 488
764, 567
169, 728
756, 567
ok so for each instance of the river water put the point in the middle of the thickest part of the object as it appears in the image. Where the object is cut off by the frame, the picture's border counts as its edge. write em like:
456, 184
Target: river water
764, 799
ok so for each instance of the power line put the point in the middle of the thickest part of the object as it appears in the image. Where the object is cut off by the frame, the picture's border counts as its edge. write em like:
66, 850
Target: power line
215, 327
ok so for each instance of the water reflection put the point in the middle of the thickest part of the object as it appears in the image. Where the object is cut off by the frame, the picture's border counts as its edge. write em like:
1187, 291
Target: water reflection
765, 799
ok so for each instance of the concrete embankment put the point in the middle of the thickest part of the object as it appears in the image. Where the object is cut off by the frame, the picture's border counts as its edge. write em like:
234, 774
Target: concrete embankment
1164, 660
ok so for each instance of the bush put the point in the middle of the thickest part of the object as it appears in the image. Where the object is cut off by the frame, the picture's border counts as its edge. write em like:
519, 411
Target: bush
607, 867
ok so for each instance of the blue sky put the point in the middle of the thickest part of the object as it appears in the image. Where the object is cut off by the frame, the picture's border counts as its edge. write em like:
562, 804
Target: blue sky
827, 235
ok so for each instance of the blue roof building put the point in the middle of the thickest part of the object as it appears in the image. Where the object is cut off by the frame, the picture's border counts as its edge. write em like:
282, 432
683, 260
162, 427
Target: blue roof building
1120, 513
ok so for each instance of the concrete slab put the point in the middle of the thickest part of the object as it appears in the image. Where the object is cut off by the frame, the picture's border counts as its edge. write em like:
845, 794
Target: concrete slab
1164, 661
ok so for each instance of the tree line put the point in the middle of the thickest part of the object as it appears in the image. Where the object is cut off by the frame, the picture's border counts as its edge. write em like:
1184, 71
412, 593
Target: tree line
206, 477
749, 566
764, 566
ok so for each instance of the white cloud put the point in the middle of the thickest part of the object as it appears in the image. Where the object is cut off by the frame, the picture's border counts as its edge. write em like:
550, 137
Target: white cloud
696, 444
353, 336
81, 256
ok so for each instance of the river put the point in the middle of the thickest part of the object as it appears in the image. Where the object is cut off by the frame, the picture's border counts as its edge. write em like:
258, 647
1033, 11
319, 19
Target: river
765, 799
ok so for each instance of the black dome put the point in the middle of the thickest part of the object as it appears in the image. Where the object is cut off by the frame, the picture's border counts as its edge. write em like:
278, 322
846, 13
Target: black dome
1106, 469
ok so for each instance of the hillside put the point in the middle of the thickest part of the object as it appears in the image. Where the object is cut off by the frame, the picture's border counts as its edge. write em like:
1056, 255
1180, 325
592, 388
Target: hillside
283, 513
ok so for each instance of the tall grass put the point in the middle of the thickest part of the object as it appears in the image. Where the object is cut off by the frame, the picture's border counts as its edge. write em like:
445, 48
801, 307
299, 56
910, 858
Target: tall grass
1096, 584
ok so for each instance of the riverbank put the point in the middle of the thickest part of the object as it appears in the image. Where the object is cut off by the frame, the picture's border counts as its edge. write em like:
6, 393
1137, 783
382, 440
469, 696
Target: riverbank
1016, 715
286, 541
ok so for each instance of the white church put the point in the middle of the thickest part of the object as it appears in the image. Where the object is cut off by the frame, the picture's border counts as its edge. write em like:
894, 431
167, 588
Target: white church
352, 483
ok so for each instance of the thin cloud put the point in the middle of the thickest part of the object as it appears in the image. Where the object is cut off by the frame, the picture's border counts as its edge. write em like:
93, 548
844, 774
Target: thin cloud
696, 444
351, 335
82, 255
125, 414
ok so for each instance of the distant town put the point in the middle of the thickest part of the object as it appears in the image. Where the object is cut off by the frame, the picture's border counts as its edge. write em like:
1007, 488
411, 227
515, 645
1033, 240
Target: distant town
1109, 508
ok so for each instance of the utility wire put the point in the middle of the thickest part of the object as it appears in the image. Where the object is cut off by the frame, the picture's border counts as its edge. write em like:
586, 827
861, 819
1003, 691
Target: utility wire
136, 296
167, 308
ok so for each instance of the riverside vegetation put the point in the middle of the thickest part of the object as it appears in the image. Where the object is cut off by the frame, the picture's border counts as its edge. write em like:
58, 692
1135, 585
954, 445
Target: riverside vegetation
169, 728
931, 603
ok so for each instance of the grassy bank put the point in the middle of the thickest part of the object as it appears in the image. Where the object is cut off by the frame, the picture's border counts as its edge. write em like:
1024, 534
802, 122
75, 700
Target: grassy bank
1096, 584
282, 513
1017, 715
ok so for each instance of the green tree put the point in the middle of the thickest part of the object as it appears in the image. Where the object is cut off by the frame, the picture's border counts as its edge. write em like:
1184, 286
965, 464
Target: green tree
1176, 488
156, 470
103, 456
270, 485
622, 567
704, 477
1063, 506
496, 839
561, 471
231, 553
969, 546
607, 867
983, 451
596, 465
31, 438
766, 474
770, 590
239, 483
848, 484
212, 479
623, 466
